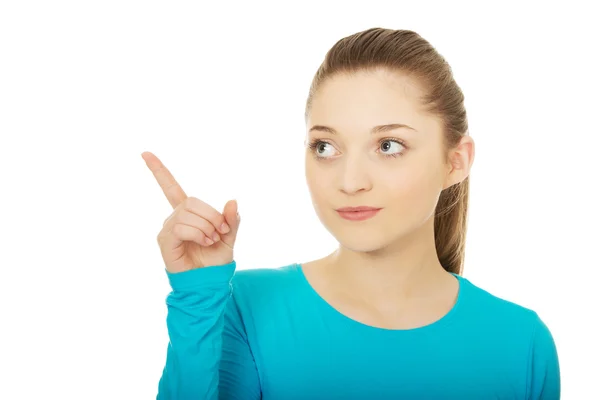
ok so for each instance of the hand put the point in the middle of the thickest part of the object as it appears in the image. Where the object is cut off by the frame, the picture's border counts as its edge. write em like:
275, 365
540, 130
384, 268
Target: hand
193, 236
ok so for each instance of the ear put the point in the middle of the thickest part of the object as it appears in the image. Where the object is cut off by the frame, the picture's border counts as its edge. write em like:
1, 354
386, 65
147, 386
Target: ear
461, 159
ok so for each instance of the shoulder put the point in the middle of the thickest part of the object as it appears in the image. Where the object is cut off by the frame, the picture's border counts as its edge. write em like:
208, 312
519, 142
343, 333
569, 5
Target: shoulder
266, 297
489, 306
254, 284
504, 319
264, 277
512, 321
518, 329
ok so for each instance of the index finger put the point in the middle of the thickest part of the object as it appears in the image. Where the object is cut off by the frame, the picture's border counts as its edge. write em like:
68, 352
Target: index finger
165, 179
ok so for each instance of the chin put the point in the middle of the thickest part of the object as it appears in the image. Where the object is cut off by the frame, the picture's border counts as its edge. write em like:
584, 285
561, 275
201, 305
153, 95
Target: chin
362, 240
361, 247
359, 236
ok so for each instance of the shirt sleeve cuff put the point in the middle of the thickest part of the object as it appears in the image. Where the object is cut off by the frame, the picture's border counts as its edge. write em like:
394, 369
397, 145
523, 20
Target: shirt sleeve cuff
200, 277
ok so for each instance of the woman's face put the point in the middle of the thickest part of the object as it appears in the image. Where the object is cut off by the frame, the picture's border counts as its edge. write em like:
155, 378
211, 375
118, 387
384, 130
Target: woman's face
355, 167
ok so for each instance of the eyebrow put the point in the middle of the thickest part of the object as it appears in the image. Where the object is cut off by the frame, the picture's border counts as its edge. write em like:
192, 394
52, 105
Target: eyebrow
375, 130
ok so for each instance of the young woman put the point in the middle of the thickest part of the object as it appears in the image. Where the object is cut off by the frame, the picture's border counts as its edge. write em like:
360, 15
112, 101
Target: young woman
386, 315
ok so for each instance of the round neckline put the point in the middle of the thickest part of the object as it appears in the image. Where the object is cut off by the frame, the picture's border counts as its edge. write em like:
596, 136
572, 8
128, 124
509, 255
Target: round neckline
444, 320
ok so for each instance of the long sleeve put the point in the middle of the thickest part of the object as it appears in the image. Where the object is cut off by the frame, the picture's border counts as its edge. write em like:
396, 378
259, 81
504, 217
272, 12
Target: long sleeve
208, 356
545, 369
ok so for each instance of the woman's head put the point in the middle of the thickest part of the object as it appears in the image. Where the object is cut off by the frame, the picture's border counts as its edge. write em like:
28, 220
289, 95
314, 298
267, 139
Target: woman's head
387, 128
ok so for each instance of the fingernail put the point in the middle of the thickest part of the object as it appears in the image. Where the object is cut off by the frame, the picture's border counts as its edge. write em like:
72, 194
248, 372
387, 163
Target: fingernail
216, 237
224, 228
208, 241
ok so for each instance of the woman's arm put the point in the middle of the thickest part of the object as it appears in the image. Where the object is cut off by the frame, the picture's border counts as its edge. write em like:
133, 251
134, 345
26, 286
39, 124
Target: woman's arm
208, 356
545, 369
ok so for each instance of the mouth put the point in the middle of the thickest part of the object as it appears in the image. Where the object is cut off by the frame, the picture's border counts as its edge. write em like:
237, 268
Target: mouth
357, 213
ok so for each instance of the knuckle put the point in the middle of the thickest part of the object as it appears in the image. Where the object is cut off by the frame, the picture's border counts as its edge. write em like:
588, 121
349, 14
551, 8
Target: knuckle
197, 206
215, 218
176, 230
176, 217
186, 203
213, 234
190, 201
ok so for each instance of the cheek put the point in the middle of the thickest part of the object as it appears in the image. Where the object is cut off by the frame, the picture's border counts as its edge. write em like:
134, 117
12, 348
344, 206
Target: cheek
404, 184
317, 178
412, 192
317, 182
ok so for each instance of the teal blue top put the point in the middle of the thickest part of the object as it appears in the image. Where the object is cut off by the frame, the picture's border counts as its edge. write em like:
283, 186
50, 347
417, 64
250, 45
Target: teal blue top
267, 334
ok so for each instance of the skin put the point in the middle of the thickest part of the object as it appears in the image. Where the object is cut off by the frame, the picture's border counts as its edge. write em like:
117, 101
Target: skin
385, 272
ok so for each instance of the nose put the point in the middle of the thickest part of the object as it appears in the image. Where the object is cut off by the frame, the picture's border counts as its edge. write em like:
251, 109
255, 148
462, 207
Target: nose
354, 176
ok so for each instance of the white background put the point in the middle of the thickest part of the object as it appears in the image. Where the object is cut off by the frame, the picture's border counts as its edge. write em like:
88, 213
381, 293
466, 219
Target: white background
218, 93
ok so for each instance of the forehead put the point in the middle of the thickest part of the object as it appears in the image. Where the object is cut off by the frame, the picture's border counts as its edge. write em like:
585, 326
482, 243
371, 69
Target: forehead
361, 100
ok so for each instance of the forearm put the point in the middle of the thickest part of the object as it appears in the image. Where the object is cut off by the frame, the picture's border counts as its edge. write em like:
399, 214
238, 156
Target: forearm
195, 321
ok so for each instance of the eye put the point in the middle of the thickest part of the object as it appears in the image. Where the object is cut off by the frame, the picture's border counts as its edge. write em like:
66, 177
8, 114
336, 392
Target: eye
387, 147
319, 148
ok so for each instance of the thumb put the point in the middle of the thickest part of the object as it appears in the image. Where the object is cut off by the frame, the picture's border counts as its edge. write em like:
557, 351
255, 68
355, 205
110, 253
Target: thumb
230, 212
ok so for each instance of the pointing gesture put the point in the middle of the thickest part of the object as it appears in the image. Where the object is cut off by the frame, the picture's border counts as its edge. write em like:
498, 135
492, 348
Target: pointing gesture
195, 235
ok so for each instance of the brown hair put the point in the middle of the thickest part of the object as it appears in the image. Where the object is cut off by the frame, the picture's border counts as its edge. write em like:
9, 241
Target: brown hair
407, 52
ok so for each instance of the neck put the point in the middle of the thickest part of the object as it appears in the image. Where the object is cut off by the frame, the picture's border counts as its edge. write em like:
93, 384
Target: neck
406, 269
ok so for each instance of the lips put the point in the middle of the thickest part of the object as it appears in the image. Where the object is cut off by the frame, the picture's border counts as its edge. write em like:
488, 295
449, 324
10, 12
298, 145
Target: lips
357, 213
356, 209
